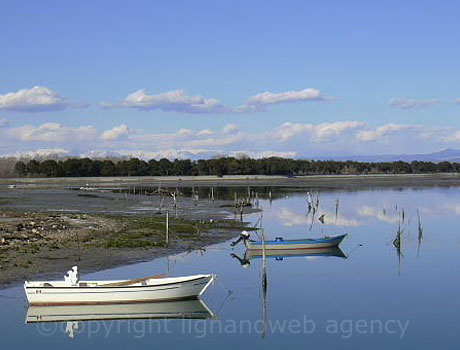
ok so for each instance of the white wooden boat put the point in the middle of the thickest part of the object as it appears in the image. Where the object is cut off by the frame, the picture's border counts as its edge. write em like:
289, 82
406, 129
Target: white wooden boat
182, 309
71, 291
291, 244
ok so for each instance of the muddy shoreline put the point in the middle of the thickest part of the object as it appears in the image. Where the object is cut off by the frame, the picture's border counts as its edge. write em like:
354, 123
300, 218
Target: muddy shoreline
45, 231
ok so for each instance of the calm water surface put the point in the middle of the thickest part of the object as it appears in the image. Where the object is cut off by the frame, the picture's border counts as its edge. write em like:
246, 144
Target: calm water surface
375, 298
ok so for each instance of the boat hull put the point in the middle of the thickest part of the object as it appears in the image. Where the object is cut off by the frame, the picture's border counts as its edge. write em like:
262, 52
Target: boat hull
306, 244
164, 289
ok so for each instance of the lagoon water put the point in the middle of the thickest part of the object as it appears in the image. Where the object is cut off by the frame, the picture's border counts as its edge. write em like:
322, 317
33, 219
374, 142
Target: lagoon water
375, 298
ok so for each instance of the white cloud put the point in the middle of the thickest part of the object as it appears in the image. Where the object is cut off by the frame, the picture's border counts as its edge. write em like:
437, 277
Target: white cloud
230, 128
205, 132
381, 131
176, 100
412, 103
458, 101
36, 99
52, 132
184, 133
162, 139
116, 133
260, 101
318, 132
223, 140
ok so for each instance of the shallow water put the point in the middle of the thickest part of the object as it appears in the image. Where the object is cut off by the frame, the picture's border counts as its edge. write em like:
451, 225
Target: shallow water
375, 298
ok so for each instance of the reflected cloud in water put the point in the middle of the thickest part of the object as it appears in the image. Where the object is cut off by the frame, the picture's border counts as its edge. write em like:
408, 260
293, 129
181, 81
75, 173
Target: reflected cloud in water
379, 214
290, 219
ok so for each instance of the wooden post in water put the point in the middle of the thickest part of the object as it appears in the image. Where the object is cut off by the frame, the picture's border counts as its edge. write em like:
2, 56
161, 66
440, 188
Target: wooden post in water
264, 283
167, 227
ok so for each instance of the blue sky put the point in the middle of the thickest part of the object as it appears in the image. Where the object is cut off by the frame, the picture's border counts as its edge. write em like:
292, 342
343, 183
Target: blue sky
377, 77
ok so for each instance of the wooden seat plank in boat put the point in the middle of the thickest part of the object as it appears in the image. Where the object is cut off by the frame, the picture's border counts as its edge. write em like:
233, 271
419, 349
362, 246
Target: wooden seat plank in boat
131, 282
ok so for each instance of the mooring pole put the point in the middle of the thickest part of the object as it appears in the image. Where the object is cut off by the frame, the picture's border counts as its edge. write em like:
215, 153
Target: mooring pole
167, 227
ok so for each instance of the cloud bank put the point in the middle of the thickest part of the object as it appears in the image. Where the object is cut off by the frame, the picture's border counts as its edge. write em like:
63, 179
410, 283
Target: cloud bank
300, 140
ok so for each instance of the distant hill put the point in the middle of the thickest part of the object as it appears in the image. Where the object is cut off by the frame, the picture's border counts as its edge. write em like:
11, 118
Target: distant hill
449, 155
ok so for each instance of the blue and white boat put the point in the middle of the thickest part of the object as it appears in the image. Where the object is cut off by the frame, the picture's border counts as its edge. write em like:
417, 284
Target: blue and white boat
292, 244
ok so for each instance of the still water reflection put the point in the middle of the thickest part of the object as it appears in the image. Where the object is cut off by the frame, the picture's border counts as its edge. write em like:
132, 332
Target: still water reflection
376, 292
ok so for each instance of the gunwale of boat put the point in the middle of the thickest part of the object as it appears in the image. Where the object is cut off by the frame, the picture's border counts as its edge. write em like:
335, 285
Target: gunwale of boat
109, 284
301, 241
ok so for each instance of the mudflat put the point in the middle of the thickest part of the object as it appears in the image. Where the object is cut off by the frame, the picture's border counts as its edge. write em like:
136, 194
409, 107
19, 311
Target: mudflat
44, 231
316, 181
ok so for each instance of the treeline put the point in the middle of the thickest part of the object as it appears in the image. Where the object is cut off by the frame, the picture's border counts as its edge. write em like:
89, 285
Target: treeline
83, 167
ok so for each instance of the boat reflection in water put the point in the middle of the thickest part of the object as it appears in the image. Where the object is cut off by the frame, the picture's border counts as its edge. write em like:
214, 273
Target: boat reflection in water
73, 315
288, 253
189, 309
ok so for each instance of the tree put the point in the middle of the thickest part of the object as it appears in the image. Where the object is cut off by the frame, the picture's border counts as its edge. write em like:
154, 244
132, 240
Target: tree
49, 168
20, 168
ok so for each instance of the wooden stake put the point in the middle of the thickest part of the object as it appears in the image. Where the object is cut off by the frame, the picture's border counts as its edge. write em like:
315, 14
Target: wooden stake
167, 227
